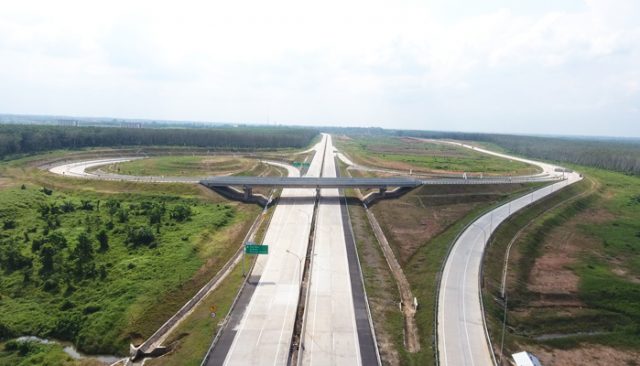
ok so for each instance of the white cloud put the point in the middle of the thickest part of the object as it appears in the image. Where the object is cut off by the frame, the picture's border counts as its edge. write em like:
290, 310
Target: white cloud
397, 64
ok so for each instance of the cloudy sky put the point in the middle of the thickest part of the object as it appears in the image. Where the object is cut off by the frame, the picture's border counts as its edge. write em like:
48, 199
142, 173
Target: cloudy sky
516, 66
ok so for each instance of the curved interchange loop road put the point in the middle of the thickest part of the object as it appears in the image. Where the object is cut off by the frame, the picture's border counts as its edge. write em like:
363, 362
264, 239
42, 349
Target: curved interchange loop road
462, 338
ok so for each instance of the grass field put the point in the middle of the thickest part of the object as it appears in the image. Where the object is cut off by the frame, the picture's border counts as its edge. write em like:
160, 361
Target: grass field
425, 157
191, 340
103, 298
573, 284
194, 166
420, 227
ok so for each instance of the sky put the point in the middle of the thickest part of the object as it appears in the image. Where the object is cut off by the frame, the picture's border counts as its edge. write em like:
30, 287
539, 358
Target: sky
509, 66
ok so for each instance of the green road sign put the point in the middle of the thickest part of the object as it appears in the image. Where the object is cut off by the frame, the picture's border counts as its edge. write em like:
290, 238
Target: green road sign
299, 164
256, 249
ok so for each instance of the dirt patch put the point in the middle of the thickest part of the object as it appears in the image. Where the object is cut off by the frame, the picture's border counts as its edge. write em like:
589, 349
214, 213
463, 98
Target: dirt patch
550, 273
625, 274
412, 220
587, 354
6, 183
596, 216
551, 276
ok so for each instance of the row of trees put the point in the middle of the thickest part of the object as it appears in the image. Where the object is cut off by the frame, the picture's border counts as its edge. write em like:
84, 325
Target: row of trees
20, 139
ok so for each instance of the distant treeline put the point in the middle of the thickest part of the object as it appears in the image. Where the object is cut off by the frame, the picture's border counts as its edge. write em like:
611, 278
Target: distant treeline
21, 139
622, 155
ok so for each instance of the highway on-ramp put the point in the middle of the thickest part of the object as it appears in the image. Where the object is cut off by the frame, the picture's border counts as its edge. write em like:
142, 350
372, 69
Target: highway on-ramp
461, 332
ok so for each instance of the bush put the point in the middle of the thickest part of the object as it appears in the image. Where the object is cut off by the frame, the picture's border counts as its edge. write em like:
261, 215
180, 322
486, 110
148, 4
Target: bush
5, 332
67, 305
103, 239
9, 224
67, 326
123, 216
140, 236
180, 213
67, 206
50, 286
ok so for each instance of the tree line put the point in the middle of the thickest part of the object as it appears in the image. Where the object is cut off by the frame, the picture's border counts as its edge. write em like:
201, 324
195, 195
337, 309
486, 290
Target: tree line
621, 155
24, 139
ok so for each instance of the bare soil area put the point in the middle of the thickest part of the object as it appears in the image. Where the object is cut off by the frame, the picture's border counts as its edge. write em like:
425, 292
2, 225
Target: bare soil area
422, 214
5, 183
587, 354
551, 276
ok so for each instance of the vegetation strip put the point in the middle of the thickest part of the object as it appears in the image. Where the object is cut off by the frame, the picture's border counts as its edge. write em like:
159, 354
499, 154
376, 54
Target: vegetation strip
160, 335
409, 308
573, 275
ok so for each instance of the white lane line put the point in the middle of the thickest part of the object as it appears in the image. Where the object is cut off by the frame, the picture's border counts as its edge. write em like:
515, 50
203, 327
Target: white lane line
464, 302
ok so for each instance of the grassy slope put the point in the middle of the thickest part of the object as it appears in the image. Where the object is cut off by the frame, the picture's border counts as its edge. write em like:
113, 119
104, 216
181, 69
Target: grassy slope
133, 302
421, 256
607, 267
191, 340
34, 353
405, 154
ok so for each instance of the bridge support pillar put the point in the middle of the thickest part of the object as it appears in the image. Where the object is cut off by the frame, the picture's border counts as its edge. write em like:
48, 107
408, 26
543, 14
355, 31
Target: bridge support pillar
383, 190
248, 192
318, 192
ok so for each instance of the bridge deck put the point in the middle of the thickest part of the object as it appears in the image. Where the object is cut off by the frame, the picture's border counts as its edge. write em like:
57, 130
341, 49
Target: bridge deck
308, 182
345, 182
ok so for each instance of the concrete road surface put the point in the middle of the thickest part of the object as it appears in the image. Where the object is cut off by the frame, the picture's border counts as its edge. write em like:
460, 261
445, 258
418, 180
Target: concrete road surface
263, 336
462, 339
330, 334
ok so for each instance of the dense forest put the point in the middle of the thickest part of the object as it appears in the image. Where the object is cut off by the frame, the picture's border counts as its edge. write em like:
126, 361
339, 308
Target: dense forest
622, 155
21, 139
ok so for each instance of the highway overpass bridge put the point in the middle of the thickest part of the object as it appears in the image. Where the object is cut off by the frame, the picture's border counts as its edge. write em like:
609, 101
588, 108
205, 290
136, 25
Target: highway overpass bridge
224, 184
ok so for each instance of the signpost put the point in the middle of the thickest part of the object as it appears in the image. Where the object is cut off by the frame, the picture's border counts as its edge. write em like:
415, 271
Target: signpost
254, 249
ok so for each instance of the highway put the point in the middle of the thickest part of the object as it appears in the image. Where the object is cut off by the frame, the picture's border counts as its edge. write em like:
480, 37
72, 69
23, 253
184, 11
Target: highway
330, 335
263, 335
461, 332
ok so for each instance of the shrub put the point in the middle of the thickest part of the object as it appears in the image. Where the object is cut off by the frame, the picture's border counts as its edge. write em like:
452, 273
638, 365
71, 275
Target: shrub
103, 239
86, 205
180, 213
67, 206
123, 216
140, 236
9, 224
50, 285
